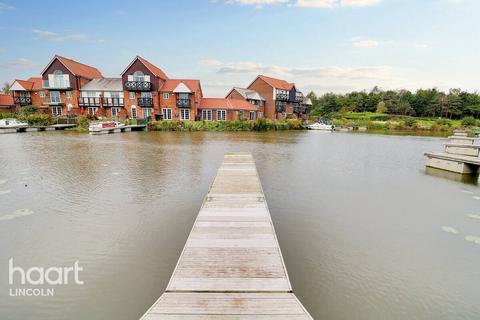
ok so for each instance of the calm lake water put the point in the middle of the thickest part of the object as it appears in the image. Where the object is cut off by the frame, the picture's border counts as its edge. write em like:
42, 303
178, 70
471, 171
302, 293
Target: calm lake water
365, 231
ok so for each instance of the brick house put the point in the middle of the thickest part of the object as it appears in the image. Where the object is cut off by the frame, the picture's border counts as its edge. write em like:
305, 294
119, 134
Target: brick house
27, 92
7, 103
62, 80
252, 96
222, 109
281, 98
103, 97
180, 99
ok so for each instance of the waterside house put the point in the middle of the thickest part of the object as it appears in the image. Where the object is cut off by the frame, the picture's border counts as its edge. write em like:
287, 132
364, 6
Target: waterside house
222, 109
27, 92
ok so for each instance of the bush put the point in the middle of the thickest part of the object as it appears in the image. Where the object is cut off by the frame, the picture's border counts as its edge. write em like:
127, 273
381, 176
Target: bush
443, 122
83, 122
37, 119
29, 110
6, 115
410, 122
260, 125
469, 121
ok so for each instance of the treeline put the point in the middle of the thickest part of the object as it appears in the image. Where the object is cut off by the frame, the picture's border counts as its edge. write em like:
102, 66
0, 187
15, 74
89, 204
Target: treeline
455, 104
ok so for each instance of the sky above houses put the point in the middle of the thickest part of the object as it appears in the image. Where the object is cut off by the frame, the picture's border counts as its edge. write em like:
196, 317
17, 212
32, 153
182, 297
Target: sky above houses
321, 45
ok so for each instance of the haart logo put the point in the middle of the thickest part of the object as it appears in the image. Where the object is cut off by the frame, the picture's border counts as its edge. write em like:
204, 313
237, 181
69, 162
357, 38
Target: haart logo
39, 276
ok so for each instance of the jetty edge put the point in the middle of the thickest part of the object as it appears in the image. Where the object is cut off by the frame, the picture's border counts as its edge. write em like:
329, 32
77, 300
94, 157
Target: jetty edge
231, 266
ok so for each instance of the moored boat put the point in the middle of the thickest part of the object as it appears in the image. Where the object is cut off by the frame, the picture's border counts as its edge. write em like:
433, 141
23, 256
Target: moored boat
104, 125
12, 123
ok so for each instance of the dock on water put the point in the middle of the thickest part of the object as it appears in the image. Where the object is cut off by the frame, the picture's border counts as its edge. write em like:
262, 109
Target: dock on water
20, 129
231, 266
129, 128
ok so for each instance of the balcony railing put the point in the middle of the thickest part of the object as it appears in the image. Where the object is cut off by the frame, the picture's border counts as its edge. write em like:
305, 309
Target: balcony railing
282, 96
183, 103
145, 102
280, 107
55, 102
138, 85
113, 102
299, 98
23, 101
57, 82
89, 102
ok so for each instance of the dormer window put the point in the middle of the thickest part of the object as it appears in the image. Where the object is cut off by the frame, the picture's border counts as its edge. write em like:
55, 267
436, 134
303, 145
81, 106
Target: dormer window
138, 76
58, 72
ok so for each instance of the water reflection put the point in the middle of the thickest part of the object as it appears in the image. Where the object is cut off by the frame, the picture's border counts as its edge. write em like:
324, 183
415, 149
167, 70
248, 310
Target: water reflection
464, 178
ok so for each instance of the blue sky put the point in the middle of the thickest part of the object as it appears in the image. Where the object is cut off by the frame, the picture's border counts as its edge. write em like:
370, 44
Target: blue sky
321, 45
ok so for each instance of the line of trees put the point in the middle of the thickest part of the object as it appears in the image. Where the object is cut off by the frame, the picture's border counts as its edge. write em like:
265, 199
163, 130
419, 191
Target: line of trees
423, 103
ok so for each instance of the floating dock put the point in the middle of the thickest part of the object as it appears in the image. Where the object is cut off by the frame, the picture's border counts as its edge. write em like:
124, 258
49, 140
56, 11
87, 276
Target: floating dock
231, 266
461, 155
20, 129
139, 127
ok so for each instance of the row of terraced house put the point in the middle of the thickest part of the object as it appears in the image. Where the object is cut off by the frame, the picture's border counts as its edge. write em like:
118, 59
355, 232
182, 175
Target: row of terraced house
67, 88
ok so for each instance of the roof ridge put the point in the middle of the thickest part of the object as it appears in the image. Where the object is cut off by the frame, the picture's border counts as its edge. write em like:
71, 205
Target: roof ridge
83, 64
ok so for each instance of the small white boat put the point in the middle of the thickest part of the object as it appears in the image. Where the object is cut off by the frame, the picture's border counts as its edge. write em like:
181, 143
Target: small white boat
321, 126
99, 126
12, 123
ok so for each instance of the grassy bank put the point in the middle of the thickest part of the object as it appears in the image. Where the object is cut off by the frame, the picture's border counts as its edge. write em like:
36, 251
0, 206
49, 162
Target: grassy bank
239, 125
385, 122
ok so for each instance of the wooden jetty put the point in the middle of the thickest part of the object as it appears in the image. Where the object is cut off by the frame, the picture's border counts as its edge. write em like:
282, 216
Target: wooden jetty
231, 266
461, 155
20, 129
139, 127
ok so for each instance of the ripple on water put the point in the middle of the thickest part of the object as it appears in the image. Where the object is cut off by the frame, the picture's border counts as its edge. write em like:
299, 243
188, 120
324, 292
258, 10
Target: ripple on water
448, 229
476, 198
3, 181
474, 216
474, 239
4, 192
16, 214
467, 191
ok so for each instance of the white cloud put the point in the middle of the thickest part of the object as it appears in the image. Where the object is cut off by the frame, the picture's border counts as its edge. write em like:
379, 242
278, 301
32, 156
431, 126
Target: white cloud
5, 7
53, 36
335, 3
20, 63
360, 42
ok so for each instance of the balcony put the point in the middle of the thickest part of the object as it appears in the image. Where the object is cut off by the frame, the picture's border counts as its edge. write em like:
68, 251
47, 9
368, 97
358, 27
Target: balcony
138, 86
145, 102
281, 97
23, 101
55, 102
280, 107
299, 98
89, 102
183, 103
113, 102
57, 82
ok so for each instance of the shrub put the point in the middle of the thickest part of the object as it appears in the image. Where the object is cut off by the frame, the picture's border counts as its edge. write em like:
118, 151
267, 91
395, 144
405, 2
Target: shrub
469, 121
443, 122
6, 115
260, 124
409, 122
83, 122
294, 124
37, 119
29, 110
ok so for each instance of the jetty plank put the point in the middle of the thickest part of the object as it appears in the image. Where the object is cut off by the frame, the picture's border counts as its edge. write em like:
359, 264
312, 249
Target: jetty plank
231, 266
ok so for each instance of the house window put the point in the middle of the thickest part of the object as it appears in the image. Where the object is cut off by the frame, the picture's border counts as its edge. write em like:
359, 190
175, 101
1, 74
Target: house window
68, 94
54, 96
42, 94
134, 113
92, 110
184, 114
146, 95
166, 96
114, 94
183, 96
57, 110
207, 115
131, 95
147, 112
221, 115
252, 115
138, 76
115, 112
167, 114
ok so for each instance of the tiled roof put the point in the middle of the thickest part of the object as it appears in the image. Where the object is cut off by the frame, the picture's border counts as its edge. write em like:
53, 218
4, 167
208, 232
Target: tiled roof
80, 69
277, 83
228, 104
171, 84
37, 83
6, 100
156, 70
104, 84
249, 94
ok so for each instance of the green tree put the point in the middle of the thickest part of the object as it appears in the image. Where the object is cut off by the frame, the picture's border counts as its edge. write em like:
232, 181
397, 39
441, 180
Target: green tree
381, 107
6, 88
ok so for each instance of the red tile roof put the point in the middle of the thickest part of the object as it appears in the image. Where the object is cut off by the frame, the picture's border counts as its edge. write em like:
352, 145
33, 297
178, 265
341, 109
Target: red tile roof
79, 69
228, 104
156, 70
6, 100
277, 83
171, 84
32, 84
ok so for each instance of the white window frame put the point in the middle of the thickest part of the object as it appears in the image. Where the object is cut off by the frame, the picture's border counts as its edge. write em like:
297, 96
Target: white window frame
134, 112
139, 76
57, 110
42, 94
131, 95
184, 114
68, 94
251, 115
55, 100
222, 115
207, 115
115, 111
147, 112
166, 96
92, 110
167, 112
